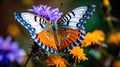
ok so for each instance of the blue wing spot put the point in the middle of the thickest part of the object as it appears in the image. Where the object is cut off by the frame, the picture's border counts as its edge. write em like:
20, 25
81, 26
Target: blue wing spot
70, 47
77, 42
45, 47
49, 50
29, 25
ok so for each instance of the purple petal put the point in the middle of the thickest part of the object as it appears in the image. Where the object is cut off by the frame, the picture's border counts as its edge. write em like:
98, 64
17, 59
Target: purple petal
6, 43
10, 50
1, 39
19, 60
48, 9
60, 14
11, 57
14, 46
55, 10
1, 42
1, 57
31, 10
21, 52
8, 40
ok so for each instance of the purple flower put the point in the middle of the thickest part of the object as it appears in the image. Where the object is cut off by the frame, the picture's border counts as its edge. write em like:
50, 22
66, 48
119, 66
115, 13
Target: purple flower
10, 51
52, 15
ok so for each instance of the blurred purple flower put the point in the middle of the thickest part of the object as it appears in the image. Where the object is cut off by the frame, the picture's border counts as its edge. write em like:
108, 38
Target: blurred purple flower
52, 15
10, 51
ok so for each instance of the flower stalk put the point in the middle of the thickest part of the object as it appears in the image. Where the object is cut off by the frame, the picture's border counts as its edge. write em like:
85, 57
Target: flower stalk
109, 21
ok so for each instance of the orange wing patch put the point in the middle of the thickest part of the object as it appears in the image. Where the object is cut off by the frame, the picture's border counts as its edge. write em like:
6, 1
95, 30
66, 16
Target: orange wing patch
47, 39
69, 38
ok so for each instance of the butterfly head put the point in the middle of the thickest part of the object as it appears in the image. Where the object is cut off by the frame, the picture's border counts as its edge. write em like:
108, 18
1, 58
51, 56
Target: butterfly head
54, 26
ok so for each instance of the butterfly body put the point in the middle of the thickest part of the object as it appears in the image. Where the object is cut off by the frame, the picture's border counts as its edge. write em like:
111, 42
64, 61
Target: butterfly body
57, 36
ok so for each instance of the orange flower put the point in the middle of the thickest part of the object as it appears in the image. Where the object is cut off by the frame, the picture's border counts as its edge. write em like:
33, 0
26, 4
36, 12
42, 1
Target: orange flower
114, 38
56, 61
106, 3
116, 63
13, 30
78, 54
94, 38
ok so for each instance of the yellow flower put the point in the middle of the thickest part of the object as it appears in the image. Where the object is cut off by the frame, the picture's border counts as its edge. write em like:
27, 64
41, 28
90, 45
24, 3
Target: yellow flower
56, 61
94, 38
116, 63
114, 38
106, 3
78, 54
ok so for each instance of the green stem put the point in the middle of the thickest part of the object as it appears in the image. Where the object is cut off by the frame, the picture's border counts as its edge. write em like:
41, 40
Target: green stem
28, 59
109, 21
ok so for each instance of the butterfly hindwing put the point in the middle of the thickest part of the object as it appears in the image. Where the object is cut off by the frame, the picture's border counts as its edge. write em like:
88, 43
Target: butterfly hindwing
76, 18
70, 38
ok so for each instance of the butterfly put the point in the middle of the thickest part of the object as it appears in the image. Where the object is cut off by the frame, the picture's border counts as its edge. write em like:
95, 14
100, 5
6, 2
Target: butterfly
67, 33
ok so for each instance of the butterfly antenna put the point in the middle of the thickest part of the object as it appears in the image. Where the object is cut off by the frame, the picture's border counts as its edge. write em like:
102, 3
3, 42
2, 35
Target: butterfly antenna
61, 4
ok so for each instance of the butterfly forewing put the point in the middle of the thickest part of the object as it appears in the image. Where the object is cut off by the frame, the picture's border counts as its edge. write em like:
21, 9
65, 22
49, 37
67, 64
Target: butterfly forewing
76, 18
32, 22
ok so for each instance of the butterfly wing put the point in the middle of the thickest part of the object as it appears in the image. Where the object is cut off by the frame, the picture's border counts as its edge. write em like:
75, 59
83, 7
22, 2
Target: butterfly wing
32, 22
76, 18
74, 21
39, 29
